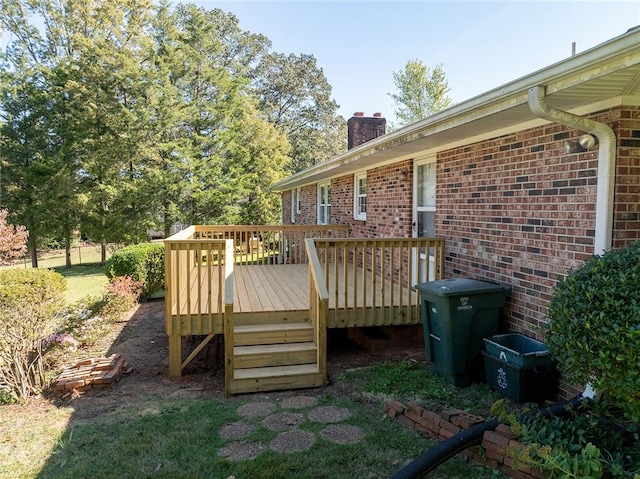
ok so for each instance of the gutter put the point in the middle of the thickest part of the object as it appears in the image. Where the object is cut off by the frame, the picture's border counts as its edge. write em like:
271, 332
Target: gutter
606, 161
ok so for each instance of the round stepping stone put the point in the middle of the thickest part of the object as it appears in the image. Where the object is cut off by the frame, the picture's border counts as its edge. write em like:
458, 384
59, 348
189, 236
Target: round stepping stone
239, 451
236, 430
292, 441
283, 421
256, 409
298, 402
329, 414
342, 434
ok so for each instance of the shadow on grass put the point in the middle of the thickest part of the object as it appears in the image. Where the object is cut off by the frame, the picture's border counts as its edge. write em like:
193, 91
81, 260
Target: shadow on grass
149, 426
80, 270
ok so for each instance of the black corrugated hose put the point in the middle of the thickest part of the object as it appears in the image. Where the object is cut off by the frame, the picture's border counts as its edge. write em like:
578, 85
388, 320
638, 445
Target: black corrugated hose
444, 450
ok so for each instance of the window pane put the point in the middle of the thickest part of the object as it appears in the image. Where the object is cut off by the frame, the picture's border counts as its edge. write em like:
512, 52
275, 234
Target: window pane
426, 224
426, 184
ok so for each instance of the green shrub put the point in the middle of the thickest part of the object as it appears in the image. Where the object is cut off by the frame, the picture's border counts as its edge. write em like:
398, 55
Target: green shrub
141, 262
120, 296
594, 329
578, 444
31, 303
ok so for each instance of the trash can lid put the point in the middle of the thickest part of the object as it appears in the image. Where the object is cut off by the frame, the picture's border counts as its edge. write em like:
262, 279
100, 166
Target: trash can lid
457, 286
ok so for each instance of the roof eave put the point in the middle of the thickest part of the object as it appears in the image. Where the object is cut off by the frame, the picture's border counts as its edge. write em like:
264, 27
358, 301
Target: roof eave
557, 77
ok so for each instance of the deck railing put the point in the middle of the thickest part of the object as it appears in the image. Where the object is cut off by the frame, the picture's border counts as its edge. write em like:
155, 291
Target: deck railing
372, 281
198, 290
318, 306
260, 244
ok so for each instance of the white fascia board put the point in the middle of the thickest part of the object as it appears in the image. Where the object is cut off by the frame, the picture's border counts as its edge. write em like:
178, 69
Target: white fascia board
618, 53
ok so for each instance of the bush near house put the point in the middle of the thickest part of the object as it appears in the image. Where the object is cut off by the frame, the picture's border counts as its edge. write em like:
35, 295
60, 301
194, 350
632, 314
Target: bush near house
594, 329
141, 262
594, 333
31, 301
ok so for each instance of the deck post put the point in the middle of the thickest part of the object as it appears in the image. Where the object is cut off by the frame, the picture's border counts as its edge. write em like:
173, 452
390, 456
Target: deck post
175, 356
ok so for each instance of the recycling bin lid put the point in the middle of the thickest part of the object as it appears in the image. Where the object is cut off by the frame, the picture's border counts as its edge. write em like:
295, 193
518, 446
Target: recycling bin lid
458, 286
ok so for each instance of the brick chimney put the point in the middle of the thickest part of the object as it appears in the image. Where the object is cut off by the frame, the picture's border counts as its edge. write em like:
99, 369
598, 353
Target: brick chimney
361, 129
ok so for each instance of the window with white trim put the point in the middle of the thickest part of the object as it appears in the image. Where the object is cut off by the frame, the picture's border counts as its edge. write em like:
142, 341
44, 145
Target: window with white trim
296, 203
324, 203
360, 196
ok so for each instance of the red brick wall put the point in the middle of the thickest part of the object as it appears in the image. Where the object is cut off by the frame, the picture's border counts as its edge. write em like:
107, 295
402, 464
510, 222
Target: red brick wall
626, 225
308, 209
389, 202
519, 210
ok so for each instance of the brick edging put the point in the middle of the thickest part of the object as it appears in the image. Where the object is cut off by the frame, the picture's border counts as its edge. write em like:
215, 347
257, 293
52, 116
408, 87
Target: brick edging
491, 452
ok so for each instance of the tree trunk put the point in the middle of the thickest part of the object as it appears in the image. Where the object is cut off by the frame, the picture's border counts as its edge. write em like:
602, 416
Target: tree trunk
67, 251
103, 252
33, 251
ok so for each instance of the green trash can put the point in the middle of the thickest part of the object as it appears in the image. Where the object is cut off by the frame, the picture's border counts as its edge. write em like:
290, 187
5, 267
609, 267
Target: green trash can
457, 314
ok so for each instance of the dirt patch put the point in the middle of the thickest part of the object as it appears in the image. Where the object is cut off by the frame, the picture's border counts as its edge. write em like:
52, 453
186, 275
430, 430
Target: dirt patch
141, 341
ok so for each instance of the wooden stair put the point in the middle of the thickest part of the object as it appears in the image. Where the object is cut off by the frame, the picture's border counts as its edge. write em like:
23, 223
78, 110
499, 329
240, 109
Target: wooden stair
274, 356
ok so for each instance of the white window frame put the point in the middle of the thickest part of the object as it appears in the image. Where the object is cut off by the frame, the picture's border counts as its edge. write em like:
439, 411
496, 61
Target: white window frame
422, 255
324, 204
357, 196
296, 199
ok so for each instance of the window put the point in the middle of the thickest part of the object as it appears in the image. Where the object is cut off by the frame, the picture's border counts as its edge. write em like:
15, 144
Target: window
360, 197
296, 204
324, 203
293, 205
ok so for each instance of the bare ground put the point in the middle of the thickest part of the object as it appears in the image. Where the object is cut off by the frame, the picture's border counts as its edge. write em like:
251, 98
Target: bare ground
141, 340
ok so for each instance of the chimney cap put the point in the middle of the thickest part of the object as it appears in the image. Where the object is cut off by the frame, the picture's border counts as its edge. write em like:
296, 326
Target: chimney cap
377, 115
358, 113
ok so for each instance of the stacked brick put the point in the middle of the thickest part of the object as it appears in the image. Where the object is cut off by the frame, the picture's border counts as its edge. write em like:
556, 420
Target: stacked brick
491, 453
91, 373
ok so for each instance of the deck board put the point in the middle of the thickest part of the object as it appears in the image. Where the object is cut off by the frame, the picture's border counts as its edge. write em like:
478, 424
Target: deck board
286, 288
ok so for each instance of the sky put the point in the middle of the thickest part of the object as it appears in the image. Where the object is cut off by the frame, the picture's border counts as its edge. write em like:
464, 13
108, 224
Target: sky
480, 44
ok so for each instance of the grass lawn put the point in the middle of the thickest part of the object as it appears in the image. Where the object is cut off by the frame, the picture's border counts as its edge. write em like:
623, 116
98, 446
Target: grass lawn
85, 277
168, 438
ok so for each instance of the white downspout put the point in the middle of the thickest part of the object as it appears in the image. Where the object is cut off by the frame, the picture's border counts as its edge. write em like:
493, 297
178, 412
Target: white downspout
606, 161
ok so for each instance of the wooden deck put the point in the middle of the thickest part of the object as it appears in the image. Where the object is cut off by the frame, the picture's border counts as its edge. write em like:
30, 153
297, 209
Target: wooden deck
270, 291
275, 312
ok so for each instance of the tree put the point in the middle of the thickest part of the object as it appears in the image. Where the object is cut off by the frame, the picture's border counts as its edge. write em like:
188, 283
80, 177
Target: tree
421, 92
296, 97
13, 240
66, 116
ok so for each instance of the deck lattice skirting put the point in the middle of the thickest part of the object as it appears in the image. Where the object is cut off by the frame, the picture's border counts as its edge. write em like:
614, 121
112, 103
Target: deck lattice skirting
273, 292
490, 453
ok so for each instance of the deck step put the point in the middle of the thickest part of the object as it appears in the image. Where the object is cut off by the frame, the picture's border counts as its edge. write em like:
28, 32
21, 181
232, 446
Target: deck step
272, 317
276, 378
274, 355
248, 335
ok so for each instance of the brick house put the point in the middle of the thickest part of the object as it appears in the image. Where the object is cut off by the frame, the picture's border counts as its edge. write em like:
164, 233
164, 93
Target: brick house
523, 182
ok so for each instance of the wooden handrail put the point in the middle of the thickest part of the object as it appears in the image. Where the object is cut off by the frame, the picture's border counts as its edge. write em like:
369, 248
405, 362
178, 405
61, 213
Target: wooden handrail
318, 307
269, 244
228, 316
372, 281
193, 306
